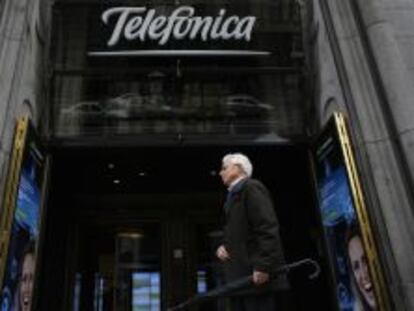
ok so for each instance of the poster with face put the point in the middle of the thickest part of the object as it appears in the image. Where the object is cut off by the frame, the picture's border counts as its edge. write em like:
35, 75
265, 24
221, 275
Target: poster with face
18, 280
354, 288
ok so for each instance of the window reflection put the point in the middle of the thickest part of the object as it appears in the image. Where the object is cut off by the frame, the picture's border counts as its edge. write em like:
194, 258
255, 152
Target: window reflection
158, 103
255, 96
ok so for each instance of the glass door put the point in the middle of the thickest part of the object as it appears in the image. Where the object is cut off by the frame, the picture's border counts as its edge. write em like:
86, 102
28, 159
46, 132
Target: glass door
119, 269
138, 270
145, 267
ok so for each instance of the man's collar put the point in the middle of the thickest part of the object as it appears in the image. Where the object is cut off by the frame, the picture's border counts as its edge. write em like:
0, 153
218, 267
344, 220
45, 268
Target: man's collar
235, 183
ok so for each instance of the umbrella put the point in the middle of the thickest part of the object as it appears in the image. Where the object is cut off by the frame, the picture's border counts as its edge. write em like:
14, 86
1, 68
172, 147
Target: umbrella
245, 282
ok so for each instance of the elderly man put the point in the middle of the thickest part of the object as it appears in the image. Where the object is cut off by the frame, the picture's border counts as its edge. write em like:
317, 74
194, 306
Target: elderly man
251, 243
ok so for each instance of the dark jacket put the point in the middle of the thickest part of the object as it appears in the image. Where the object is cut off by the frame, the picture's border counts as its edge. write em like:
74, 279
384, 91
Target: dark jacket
251, 234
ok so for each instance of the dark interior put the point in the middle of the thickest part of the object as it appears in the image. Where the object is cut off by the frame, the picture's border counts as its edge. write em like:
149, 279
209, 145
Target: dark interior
175, 195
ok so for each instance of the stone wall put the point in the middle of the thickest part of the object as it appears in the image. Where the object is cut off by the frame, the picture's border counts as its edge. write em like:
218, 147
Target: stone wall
363, 51
23, 51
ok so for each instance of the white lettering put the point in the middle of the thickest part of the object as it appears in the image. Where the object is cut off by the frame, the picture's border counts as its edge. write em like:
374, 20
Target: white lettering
132, 26
155, 29
171, 21
215, 34
248, 24
204, 24
123, 15
226, 32
184, 24
144, 29
134, 23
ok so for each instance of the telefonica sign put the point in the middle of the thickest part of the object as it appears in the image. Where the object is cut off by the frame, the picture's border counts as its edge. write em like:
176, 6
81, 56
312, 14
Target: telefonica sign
142, 24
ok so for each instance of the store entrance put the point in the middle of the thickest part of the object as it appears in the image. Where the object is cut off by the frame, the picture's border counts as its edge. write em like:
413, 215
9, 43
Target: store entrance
135, 228
148, 264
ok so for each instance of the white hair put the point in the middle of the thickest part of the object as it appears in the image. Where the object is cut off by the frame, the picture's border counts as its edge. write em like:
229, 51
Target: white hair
241, 160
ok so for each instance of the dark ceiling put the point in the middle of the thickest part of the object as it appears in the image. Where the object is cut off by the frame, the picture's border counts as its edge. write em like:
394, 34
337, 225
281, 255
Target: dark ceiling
180, 169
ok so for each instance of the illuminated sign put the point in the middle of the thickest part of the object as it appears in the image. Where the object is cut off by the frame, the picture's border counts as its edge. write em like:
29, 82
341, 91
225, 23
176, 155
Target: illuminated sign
22, 220
138, 23
129, 25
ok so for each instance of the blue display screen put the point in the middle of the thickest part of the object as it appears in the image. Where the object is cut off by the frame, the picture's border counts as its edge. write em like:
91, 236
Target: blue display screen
336, 201
354, 289
28, 202
337, 213
146, 291
18, 280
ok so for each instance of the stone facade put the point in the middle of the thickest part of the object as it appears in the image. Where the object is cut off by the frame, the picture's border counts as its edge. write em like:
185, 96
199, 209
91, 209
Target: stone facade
23, 51
362, 51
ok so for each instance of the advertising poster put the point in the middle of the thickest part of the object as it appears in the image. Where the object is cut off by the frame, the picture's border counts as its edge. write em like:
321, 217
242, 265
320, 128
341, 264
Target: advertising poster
18, 280
354, 288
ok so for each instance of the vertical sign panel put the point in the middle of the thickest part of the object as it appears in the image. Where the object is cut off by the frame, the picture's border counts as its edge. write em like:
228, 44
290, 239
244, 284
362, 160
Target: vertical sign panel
21, 218
356, 273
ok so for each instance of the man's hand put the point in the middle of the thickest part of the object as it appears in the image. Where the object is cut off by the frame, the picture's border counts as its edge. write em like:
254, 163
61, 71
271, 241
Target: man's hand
222, 253
259, 277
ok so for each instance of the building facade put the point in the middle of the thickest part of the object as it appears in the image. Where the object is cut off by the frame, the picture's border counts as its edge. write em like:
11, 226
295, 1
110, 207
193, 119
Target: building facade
98, 104
364, 68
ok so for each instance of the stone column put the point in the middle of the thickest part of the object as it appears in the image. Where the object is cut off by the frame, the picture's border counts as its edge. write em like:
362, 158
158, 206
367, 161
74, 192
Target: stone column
21, 75
12, 22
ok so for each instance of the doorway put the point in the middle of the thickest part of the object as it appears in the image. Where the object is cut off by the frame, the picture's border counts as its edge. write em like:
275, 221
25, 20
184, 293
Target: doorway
135, 228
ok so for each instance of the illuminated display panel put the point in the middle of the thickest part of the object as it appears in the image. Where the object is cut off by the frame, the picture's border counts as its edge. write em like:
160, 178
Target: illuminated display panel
341, 208
146, 291
25, 225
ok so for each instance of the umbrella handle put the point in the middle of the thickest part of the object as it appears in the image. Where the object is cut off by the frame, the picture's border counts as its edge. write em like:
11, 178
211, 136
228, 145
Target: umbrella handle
316, 267
307, 261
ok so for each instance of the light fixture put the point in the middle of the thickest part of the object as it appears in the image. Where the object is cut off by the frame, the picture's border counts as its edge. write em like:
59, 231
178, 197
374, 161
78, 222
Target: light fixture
116, 181
130, 235
111, 166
